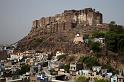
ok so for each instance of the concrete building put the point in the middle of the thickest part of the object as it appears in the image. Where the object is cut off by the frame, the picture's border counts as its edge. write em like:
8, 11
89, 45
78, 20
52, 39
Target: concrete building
73, 69
117, 78
97, 68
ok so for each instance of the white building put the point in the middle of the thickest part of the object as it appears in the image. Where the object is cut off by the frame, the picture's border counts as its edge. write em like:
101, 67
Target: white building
78, 38
14, 56
100, 40
117, 78
96, 68
58, 53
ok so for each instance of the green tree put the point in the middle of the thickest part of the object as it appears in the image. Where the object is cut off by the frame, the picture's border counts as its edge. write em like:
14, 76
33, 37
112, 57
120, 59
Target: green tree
24, 68
120, 46
116, 29
108, 67
98, 34
112, 23
95, 46
66, 67
115, 41
89, 61
85, 36
101, 80
111, 40
81, 59
81, 79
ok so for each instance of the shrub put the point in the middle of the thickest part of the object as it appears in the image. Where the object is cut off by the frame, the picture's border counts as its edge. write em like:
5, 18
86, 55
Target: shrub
81, 79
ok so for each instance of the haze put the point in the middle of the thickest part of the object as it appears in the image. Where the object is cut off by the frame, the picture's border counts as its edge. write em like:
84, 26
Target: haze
16, 16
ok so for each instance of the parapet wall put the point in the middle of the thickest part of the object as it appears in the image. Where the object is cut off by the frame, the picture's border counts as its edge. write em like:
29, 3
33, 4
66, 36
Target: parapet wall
67, 20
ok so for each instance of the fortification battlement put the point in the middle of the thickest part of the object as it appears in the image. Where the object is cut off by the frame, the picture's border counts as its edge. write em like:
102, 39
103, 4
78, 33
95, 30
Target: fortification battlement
69, 19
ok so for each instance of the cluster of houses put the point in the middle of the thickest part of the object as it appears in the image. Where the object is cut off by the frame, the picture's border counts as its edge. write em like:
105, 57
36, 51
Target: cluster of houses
9, 67
40, 70
97, 72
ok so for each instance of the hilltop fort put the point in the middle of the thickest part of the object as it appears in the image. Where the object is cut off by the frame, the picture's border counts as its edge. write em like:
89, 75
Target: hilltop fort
72, 32
66, 25
68, 20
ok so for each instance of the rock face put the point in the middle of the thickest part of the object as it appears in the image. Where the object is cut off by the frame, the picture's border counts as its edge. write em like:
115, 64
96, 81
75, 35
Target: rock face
64, 26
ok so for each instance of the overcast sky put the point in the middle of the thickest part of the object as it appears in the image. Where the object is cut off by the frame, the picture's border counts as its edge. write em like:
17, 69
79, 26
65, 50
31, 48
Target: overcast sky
16, 16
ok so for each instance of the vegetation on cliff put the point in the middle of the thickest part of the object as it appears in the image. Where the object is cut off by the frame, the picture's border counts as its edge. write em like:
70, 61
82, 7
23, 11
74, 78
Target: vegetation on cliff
115, 39
84, 79
89, 61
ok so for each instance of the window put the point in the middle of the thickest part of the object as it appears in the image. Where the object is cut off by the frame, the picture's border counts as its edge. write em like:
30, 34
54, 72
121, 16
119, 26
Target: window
114, 81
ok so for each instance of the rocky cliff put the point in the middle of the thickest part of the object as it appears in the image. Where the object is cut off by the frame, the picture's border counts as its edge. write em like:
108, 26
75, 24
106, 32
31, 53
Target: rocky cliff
58, 32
